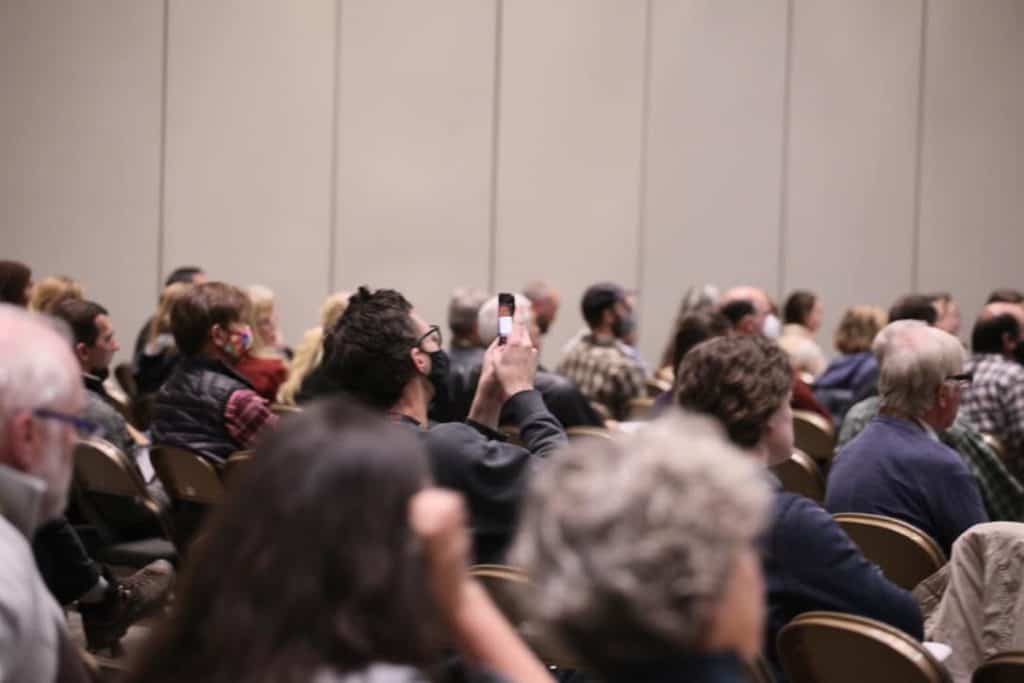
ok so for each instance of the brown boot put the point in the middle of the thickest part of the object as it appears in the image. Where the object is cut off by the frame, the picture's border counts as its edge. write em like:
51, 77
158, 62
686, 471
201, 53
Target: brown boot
125, 603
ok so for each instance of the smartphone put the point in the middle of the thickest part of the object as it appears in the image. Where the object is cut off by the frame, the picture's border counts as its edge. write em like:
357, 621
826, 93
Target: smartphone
506, 309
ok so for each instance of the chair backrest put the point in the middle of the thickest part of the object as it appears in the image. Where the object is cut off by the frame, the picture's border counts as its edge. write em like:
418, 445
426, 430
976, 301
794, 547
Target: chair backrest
1005, 667
814, 435
759, 671
996, 444
187, 476
234, 466
641, 408
829, 647
125, 376
581, 432
655, 386
800, 474
113, 489
906, 555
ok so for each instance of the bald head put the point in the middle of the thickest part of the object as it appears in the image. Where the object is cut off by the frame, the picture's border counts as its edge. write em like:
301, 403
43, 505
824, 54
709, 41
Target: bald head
758, 298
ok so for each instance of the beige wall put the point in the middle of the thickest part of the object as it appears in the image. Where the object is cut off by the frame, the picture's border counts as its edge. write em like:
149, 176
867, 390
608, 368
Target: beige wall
860, 148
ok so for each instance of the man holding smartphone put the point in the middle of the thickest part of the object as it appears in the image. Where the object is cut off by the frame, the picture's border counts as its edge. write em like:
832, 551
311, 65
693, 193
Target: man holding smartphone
390, 358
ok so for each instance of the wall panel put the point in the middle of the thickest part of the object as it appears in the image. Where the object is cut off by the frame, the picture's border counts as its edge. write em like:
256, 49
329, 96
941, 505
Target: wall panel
569, 161
80, 146
415, 147
249, 106
972, 207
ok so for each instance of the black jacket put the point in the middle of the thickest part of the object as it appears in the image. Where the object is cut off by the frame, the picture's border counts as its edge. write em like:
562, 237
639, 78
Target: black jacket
189, 410
489, 471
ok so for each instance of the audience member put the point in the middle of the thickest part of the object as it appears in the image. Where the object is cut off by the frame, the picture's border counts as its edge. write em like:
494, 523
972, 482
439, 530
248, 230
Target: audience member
310, 353
334, 562
948, 313
466, 351
898, 466
854, 373
384, 354
545, 301
50, 291
695, 300
263, 363
809, 562
185, 275
159, 355
914, 307
600, 364
1006, 295
1001, 492
994, 402
40, 399
206, 406
802, 316
694, 328
15, 283
641, 554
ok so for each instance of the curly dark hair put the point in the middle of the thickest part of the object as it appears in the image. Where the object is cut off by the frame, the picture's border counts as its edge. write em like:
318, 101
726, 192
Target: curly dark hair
311, 564
369, 347
741, 381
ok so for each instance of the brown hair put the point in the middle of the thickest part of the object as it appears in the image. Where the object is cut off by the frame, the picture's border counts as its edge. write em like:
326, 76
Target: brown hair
162, 320
14, 279
202, 307
741, 381
51, 291
858, 328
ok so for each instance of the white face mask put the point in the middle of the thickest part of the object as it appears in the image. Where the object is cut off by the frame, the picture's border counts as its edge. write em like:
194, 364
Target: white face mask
772, 327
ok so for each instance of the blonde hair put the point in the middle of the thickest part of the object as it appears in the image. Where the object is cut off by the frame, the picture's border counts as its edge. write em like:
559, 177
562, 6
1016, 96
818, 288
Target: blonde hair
171, 294
858, 328
262, 300
51, 291
310, 351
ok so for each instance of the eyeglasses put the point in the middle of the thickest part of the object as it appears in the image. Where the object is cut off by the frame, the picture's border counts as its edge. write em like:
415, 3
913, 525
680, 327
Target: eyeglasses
963, 380
434, 330
86, 429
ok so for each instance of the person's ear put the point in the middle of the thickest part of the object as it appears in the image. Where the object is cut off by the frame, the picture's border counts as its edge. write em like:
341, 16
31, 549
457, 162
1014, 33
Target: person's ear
81, 352
419, 359
746, 324
24, 435
218, 335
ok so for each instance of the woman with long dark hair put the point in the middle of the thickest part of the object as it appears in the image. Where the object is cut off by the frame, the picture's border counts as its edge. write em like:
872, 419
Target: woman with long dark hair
15, 283
333, 561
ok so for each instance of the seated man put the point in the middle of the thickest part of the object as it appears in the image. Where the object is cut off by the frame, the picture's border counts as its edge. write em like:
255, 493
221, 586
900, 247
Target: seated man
205, 406
384, 354
898, 466
994, 402
809, 563
599, 363
1002, 493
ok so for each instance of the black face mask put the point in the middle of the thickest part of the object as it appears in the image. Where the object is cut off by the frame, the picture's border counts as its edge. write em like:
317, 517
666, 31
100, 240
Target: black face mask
440, 364
101, 373
622, 326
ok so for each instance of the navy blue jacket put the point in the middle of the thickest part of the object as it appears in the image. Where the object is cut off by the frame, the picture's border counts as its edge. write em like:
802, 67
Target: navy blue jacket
811, 564
895, 468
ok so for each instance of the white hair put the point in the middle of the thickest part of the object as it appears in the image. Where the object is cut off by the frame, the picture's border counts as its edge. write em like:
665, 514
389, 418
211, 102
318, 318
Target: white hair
915, 360
37, 368
630, 543
487, 317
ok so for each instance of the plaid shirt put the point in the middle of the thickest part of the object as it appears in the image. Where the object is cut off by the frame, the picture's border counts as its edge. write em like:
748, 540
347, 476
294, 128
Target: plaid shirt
605, 372
994, 403
1003, 494
245, 416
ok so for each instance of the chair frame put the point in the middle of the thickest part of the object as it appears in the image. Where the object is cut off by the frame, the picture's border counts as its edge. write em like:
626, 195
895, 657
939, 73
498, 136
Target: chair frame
931, 669
814, 435
159, 455
233, 465
996, 444
811, 468
592, 432
923, 541
1000, 667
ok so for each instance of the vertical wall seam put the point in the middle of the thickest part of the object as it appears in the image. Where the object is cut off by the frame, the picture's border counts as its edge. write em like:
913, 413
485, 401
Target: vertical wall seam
161, 221
787, 78
492, 264
915, 256
332, 189
645, 124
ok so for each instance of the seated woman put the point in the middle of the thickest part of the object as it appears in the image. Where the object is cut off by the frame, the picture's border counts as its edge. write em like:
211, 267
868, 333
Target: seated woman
264, 364
802, 316
642, 554
49, 292
160, 355
333, 561
310, 351
15, 283
851, 376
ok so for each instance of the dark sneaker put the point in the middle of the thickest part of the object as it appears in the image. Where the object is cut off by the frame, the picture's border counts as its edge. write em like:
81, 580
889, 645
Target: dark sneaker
126, 602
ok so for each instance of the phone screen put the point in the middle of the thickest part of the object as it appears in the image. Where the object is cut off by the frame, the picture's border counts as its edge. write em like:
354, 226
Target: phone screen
506, 309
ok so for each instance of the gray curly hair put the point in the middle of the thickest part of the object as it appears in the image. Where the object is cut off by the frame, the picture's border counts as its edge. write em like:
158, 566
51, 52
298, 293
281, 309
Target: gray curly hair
629, 544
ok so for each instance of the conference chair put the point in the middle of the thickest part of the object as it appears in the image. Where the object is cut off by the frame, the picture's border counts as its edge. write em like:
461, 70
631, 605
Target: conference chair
906, 555
111, 494
1005, 667
640, 409
581, 432
235, 465
814, 435
801, 475
830, 647
996, 444
192, 483
655, 386
284, 409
